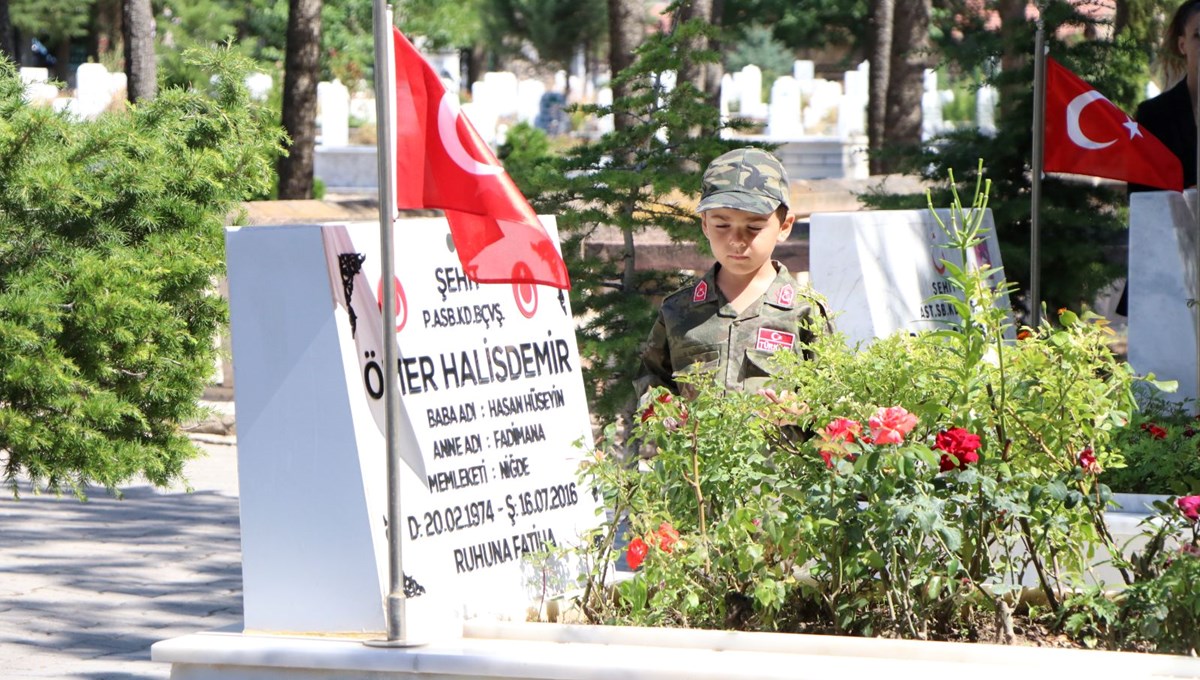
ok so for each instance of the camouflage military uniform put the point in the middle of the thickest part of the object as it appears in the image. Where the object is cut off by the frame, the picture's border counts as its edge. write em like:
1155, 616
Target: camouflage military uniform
696, 329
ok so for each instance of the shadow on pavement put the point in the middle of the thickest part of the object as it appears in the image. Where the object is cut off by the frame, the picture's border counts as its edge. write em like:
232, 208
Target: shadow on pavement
87, 588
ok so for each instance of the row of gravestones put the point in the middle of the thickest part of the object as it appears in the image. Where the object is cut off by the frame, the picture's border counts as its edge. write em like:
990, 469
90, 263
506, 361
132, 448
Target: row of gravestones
798, 104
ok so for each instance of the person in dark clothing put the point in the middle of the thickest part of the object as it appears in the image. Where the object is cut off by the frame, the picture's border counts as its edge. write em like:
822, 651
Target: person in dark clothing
1171, 116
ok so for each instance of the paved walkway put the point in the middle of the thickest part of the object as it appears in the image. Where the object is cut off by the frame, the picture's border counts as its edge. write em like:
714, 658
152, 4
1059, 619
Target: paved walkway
86, 588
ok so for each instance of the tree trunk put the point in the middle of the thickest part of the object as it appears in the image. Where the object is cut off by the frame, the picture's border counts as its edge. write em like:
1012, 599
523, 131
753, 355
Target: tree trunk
300, 98
141, 71
7, 44
906, 76
705, 77
880, 59
624, 35
1015, 51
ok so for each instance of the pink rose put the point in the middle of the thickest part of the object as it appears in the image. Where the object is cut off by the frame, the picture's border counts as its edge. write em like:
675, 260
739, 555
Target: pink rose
1189, 506
890, 425
843, 429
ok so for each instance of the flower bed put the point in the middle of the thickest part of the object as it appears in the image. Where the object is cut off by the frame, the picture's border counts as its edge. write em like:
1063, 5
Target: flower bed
907, 489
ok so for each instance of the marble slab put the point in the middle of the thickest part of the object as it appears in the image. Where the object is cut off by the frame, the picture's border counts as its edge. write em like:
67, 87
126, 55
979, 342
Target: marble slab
547, 651
878, 269
1162, 279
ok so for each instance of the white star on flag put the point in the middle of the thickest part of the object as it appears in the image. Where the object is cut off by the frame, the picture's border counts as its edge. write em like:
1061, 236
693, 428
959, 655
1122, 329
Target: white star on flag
1132, 126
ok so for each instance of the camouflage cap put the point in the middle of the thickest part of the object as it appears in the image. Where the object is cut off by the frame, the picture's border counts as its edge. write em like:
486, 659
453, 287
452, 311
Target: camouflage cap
746, 179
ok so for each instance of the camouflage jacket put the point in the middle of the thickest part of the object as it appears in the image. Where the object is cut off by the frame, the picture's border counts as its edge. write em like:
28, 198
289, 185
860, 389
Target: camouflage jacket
696, 329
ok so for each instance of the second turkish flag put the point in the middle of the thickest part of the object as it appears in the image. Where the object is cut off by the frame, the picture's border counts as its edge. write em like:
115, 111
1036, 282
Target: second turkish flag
1086, 134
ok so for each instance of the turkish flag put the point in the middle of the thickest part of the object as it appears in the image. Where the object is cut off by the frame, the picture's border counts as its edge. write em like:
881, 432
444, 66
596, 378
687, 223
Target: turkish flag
442, 162
1088, 135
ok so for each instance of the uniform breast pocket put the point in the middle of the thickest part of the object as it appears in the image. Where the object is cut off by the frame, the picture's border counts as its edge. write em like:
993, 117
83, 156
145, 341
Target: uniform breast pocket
702, 360
759, 364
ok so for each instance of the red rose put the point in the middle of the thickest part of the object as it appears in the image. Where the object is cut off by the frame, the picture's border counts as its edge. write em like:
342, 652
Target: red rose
1189, 506
636, 553
1154, 430
889, 425
667, 536
960, 444
664, 398
827, 457
1087, 461
958, 441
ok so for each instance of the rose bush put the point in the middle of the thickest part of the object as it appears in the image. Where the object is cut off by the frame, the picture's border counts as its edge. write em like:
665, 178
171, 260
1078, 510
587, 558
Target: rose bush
915, 486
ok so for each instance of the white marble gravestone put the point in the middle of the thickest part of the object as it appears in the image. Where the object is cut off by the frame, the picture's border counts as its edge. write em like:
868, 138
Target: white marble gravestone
852, 109
259, 85
783, 118
1162, 278
529, 99
931, 106
494, 401
804, 71
505, 89
93, 91
748, 84
333, 105
878, 270
985, 109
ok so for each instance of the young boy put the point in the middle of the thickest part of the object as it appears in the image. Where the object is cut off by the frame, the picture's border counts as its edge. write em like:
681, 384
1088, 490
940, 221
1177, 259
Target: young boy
747, 307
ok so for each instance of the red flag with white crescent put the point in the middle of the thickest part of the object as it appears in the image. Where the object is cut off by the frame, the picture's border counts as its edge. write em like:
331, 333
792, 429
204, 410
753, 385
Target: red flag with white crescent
442, 162
1086, 134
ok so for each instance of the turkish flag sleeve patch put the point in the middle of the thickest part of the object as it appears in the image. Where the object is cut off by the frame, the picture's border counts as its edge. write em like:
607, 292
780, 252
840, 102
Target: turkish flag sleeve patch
1086, 134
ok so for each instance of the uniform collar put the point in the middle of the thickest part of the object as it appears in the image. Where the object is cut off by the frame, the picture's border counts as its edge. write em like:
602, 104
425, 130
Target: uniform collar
781, 293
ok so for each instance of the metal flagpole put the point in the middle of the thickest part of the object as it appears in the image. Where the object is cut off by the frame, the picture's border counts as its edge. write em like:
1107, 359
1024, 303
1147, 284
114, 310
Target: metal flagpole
385, 150
1196, 235
1039, 143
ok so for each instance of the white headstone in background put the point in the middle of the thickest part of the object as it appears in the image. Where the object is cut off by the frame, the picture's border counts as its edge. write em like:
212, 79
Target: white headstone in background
852, 109
931, 106
491, 383
93, 91
448, 66
606, 123
822, 106
985, 110
560, 81
486, 107
505, 89
362, 107
748, 83
783, 118
118, 84
34, 74
1162, 278
529, 99
333, 109
38, 89
878, 269
804, 71
259, 85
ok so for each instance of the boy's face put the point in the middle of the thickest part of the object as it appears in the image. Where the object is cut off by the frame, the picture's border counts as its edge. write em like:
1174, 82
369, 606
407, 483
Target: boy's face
744, 241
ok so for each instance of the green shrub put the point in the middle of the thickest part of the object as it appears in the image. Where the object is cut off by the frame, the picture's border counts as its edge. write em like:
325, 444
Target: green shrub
111, 238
